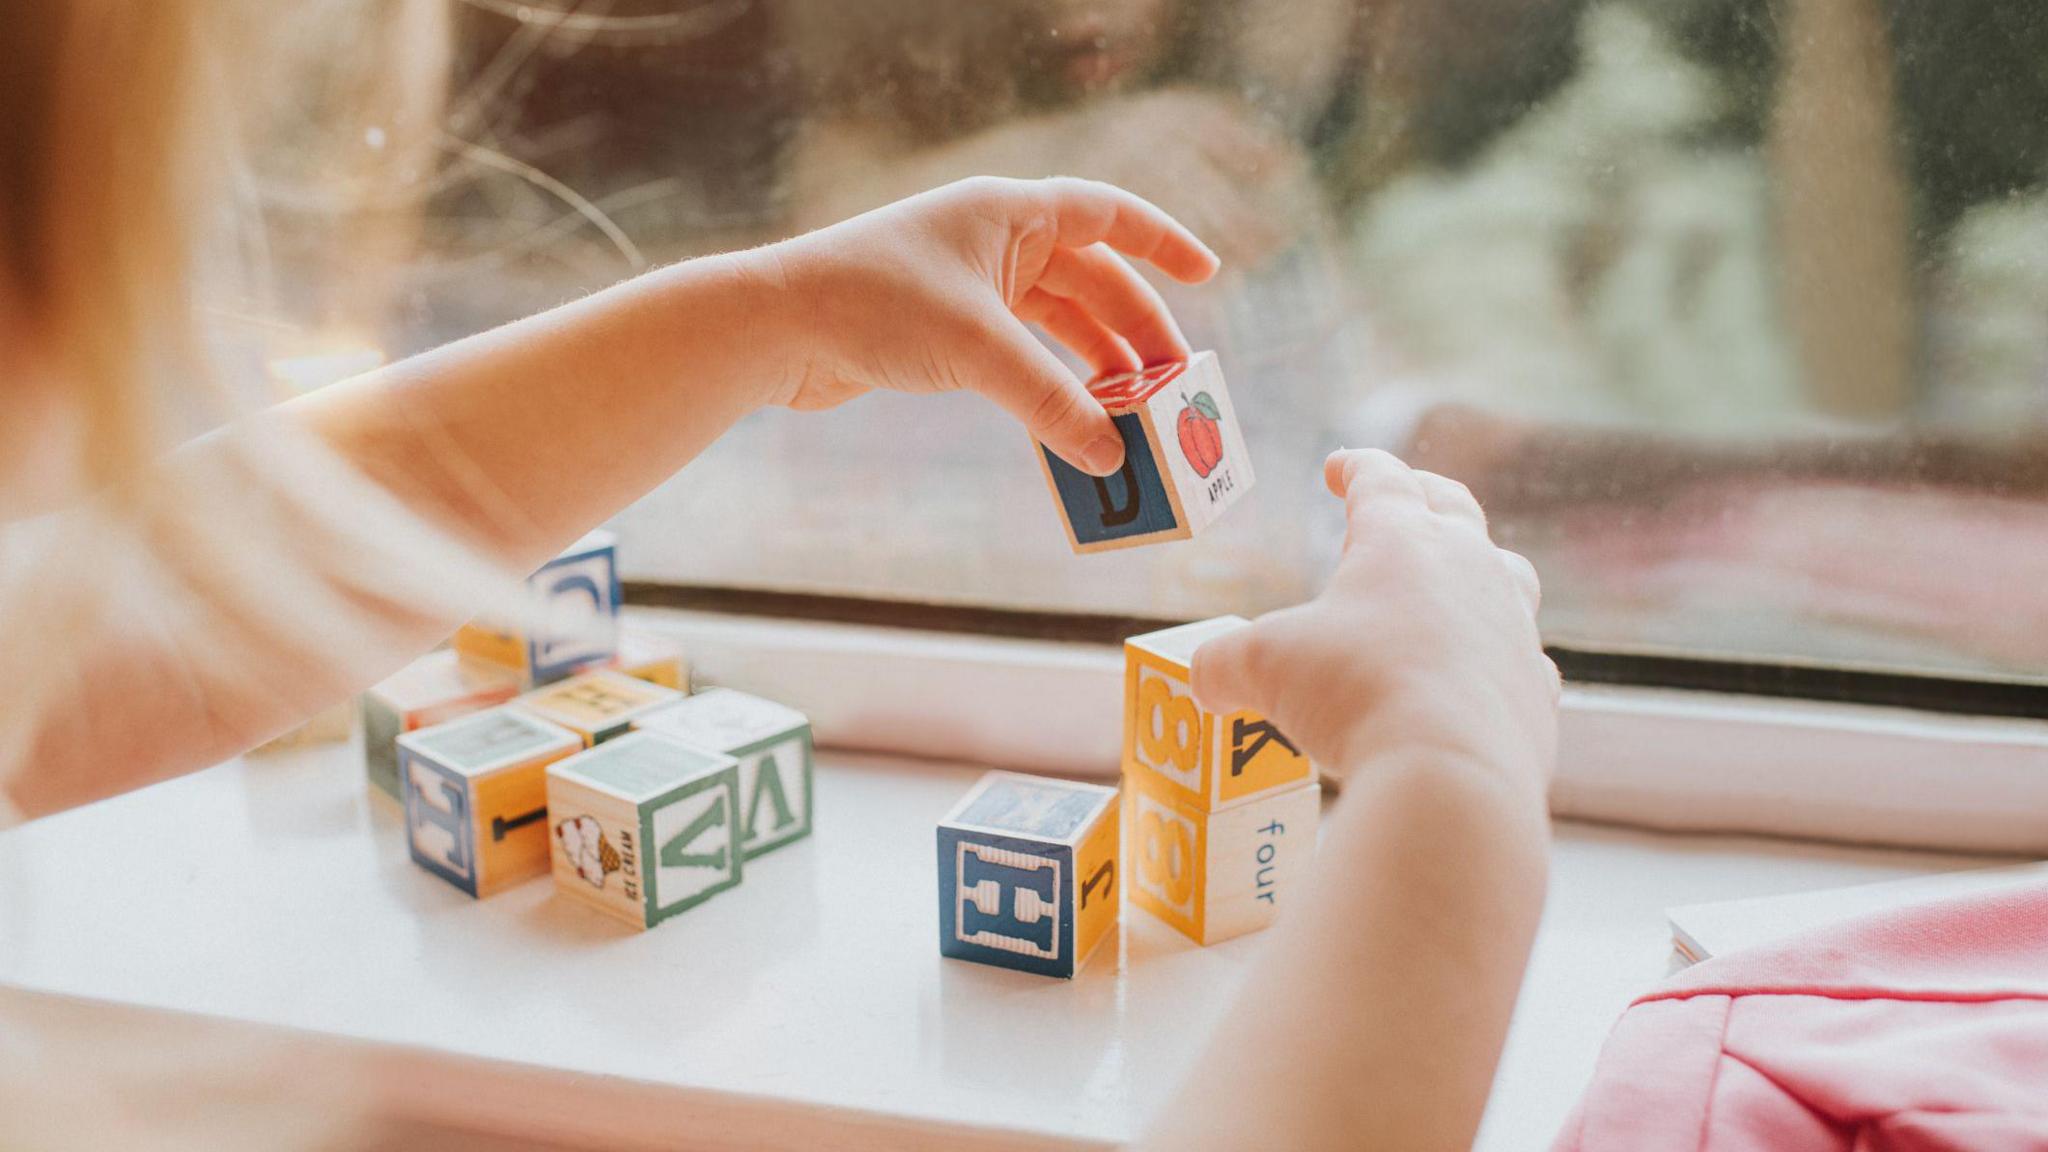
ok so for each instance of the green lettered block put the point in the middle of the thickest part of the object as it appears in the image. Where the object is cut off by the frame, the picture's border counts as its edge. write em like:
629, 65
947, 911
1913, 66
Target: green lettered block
772, 743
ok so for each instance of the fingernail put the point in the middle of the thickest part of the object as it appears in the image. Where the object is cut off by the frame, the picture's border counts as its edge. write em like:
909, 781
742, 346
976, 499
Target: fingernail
1104, 456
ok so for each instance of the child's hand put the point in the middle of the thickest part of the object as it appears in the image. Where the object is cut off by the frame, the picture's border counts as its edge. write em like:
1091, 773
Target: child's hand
1423, 642
932, 294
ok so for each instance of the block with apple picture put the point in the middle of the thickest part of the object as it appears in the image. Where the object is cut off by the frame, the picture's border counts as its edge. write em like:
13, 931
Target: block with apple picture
1185, 461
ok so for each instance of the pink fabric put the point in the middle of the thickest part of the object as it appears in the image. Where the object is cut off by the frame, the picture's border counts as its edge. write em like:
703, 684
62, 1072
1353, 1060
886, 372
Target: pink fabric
1919, 1031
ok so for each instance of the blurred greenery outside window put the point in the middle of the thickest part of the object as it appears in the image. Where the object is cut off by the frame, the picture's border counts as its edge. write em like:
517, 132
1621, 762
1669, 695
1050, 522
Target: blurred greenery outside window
1734, 313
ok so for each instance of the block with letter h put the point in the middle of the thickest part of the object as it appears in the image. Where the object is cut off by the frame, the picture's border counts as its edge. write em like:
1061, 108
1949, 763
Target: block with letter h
1028, 873
1185, 460
597, 705
772, 743
475, 795
1222, 809
644, 827
572, 622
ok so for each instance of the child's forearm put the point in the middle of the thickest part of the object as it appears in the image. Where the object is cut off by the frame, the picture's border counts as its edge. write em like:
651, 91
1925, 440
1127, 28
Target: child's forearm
522, 438
1375, 1015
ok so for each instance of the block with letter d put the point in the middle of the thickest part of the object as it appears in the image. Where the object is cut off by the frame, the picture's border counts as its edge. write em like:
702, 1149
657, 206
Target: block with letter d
1028, 873
1185, 460
773, 746
572, 619
1221, 808
597, 705
644, 827
475, 795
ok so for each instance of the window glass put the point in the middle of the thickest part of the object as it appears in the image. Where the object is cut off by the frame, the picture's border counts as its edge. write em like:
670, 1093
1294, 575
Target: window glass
1734, 313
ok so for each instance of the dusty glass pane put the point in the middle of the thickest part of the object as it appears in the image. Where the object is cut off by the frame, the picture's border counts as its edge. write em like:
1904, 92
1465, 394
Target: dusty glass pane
1733, 312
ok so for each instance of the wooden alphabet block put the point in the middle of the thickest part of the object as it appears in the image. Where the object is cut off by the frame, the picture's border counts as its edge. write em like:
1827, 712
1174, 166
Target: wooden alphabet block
597, 705
1215, 875
654, 658
433, 689
773, 746
1196, 758
1028, 873
475, 794
573, 623
1185, 460
644, 827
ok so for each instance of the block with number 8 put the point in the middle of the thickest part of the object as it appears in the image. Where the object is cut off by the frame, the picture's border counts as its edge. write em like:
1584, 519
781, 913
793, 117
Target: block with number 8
1221, 808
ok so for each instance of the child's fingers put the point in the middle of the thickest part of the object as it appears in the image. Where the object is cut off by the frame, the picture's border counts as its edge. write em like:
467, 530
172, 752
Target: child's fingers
1222, 674
1099, 281
1089, 212
1526, 580
1450, 499
1009, 366
1373, 484
1067, 322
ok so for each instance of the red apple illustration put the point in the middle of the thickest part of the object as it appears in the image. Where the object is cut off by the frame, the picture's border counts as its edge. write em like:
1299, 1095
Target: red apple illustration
1201, 433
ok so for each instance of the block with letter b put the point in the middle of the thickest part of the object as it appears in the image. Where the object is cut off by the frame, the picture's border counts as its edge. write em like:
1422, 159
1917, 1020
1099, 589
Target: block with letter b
1185, 460
475, 795
644, 827
1203, 759
1215, 875
773, 746
572, 621
1028, 873
597, 705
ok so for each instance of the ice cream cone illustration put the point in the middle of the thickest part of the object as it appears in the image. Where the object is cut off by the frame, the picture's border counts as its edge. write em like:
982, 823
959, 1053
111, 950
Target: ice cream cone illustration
584, 843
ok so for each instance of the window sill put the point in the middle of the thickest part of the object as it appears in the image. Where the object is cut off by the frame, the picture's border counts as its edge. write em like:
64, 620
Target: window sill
1654, 758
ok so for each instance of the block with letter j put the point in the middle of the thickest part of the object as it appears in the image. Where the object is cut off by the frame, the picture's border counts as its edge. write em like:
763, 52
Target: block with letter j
1185, 460
1028, 873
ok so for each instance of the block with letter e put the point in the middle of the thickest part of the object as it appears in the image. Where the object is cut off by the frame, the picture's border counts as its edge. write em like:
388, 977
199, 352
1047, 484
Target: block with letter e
1028, 873
772, 743
475, 796
597, 705
1221, 807
571, 621
1185, 460
644, 827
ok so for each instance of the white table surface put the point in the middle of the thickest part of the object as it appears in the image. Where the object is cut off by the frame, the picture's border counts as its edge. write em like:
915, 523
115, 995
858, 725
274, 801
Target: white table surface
807, 1008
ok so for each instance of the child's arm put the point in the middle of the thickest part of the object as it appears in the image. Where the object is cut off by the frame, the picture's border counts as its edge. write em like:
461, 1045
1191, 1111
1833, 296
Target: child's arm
525, 437
1377, 1010
242, 612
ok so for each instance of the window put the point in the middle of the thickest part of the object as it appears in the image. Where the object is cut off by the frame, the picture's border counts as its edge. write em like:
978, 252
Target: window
1733, 312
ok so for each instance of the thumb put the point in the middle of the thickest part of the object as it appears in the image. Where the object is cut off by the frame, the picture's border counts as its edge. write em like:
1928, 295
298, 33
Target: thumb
1026, 380
1224, 673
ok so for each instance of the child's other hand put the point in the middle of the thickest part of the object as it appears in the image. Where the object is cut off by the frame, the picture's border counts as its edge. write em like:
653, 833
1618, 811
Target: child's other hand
933, 293
1424, 642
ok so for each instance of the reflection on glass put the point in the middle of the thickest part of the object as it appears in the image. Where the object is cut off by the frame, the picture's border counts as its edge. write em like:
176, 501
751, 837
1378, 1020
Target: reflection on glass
1734, 312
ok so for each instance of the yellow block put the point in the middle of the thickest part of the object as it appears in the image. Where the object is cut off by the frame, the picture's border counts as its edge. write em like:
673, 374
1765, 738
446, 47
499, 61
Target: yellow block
1197, 758
1216, 875
597, 705
492, 646
512, 823
1097, 886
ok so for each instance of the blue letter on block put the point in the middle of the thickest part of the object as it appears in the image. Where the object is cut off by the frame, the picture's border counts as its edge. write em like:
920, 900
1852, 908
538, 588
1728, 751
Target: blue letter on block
1131, 503
1006, 901
442, 814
